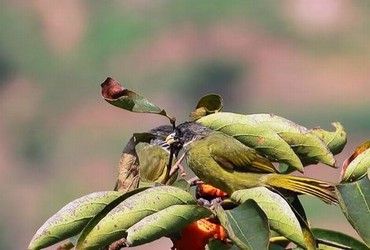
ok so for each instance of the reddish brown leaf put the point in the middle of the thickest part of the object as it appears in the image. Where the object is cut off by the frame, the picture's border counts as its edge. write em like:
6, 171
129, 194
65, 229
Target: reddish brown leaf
364, 146
111, 89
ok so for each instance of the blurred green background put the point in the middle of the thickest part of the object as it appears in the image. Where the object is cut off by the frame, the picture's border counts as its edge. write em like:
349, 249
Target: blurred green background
305, 60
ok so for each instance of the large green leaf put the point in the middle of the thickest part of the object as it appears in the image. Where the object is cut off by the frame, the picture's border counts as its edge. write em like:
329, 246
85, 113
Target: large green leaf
332, 238
246, 225
335, 140
249, 132
308, 146
71, 219
279, 213
164, 223
135, 208
354, 199
115, 94
95, 220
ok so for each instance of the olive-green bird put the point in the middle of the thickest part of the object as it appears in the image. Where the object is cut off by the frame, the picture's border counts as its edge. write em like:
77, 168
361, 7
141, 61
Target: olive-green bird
144, 160
226, 163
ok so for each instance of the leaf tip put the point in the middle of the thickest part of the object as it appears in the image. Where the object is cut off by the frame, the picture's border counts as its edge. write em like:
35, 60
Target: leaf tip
111, 89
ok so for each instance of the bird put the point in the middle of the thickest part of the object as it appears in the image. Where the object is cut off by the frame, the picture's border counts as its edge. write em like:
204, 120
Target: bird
224, 162
144, 160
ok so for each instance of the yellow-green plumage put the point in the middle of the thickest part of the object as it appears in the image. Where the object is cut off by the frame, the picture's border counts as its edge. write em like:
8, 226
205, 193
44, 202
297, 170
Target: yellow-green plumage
226, 163
153, 161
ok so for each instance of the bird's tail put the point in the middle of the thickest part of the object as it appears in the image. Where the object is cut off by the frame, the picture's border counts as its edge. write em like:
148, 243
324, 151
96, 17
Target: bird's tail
303, 185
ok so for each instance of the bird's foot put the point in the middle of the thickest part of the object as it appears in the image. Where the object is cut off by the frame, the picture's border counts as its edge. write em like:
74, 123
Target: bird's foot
194, 181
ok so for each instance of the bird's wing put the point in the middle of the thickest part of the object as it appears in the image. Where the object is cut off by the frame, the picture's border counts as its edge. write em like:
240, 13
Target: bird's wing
232, 154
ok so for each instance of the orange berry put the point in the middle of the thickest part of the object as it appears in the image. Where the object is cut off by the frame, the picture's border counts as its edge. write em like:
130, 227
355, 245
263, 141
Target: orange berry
206, 189
196, 235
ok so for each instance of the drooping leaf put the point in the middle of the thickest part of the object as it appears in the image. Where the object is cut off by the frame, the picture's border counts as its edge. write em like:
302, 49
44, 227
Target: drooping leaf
208, 104
337, 238
246, 130
335, 140
246, 225
354, 199
279, 213
71, 219
128, 169
308, 146
115, 94
164, 223
130, 211
355, 167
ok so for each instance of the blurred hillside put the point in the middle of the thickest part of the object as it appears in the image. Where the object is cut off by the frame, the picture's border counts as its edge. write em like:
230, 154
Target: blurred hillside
305, 60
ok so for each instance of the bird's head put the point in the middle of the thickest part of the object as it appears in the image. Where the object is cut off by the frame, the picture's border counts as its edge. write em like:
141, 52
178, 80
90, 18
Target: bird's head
160, 134
186, 133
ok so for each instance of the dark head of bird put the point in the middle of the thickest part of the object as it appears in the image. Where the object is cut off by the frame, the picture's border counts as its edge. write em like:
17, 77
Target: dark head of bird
187, 132
160, 134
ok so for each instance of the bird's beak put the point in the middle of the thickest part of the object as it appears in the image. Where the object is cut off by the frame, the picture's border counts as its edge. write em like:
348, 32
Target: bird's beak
171, 139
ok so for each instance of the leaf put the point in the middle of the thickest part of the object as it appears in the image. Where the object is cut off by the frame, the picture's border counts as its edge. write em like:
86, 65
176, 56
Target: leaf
208, 104
279, 213
249, 132
308, 146
360, 149
354, 199
130, 211
71, 219
334, 140
214, 244
182, 184
276, 247
164, 223
300, 214
355, 167
94, 221
334, 237
246, 225
115, 94
66, 246
128, 170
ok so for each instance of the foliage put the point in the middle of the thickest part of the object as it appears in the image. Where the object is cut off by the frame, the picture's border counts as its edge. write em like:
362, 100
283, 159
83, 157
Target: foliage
254, 218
